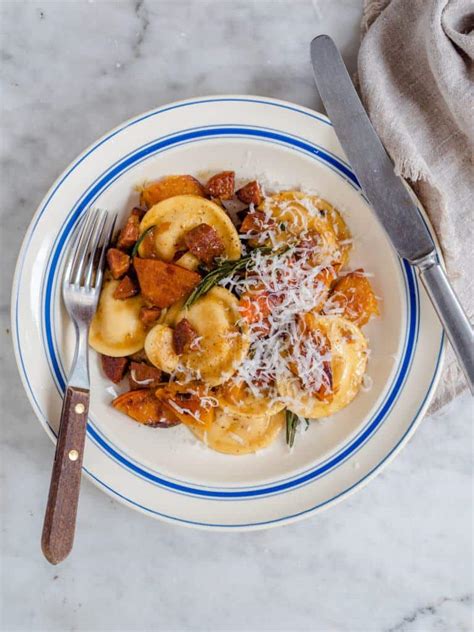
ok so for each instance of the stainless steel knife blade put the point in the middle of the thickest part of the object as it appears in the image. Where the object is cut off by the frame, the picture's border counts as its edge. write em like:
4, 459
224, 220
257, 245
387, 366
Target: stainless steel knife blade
388, 195
371, 163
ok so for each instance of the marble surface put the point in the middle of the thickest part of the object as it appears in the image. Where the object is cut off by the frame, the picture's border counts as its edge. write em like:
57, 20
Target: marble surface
395, 557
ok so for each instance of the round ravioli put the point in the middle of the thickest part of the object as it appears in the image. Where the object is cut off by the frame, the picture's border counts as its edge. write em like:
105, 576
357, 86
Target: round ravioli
159, 348
221, 344
174, 217
116, 329
348, 363
240, 434
238, 398
298, 213
339, 227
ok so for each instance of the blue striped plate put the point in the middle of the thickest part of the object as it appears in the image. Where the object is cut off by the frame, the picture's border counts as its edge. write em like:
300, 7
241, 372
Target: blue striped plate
167, 474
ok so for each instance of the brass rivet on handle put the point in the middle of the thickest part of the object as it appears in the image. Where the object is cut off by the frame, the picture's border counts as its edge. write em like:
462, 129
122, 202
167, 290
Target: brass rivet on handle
73, 455
79, 409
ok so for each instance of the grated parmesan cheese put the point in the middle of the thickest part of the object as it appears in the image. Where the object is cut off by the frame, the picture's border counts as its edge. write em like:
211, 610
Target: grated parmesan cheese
294, 280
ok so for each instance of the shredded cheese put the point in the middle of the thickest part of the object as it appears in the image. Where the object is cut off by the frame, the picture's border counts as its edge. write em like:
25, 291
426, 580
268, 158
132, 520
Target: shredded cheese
291, 284
281, 286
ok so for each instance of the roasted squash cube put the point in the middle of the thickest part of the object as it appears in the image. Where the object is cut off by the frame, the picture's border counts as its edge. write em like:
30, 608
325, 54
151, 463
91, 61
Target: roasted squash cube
169, 187
162, 284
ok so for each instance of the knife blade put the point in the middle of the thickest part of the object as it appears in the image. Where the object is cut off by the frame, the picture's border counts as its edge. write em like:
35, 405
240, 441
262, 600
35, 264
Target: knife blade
388, 194
367, 156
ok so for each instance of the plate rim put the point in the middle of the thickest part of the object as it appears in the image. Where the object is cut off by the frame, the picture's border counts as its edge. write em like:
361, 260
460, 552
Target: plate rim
373, 423
16, 286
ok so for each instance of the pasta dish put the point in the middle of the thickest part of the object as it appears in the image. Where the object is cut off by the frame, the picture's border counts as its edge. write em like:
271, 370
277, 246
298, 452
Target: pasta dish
233, 312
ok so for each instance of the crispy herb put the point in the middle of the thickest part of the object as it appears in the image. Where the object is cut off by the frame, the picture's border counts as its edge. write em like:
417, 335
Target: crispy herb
140, 239
292, 423
224, 270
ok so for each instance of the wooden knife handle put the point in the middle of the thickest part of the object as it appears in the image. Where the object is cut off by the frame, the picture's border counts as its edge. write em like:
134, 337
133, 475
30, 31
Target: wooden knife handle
61, 509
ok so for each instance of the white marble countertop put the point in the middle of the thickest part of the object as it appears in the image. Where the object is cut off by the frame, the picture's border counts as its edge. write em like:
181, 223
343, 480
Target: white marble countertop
395, 557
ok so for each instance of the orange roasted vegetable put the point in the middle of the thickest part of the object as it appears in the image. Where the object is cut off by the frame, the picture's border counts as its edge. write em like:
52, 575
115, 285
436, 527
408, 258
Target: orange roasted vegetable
204, 243
125, 289
191, 404
256, 222
255, 306
184, 335
142, 375
118, 262
353, 298
114, 368
130, 232
168, 187
162, 284
147, 248
221, 186
250, 193
149, 315
143, 406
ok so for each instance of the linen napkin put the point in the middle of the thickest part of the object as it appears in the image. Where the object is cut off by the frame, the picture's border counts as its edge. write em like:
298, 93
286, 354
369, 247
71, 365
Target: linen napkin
416, 78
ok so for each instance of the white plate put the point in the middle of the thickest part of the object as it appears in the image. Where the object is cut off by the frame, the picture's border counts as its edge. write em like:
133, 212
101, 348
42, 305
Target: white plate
166, 473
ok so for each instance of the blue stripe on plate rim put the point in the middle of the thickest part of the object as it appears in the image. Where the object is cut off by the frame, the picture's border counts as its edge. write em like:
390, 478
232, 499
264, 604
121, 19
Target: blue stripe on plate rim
290, 517
320, 118
57, 369
249, 525
29, 389
101, 439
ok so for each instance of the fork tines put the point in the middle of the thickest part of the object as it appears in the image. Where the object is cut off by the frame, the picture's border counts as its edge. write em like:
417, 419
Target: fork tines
86, 261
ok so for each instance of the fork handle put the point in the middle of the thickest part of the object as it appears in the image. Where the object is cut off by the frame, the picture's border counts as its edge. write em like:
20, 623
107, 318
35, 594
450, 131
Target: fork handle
61, 510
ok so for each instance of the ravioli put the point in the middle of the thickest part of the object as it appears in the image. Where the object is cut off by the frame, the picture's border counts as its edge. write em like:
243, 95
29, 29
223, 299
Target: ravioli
238, 399
222, 344
300, 214
283, 338
174, 217
116, 329
159, 348
240, 434
348, 364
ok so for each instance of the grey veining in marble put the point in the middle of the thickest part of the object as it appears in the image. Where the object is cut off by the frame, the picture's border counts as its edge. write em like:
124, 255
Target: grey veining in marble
395, 557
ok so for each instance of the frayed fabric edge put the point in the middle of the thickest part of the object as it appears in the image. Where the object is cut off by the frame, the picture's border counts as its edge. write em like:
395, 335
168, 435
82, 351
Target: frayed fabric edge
370, 12
406, 168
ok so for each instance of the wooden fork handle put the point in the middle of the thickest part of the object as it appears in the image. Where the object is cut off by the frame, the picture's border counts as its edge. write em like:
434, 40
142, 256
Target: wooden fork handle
61, 509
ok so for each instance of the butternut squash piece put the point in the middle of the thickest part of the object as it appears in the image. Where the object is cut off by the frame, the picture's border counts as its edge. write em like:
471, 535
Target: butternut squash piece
143, 406
168, 187
162, 284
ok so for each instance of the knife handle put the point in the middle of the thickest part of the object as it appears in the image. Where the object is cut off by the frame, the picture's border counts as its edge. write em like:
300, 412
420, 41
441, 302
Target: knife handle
451, 314
61, 510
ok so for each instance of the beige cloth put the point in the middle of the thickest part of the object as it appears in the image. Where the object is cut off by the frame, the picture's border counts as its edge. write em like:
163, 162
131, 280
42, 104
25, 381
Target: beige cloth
416, 78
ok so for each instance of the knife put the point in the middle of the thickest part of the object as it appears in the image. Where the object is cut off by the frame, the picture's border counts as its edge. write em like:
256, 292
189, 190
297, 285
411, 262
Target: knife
388, 194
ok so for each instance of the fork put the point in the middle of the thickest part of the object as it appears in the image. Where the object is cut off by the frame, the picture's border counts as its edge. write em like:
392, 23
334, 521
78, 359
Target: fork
82, 282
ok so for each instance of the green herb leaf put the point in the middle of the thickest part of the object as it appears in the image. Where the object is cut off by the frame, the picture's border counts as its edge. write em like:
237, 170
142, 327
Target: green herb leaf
140, 239
225, 269
292, 423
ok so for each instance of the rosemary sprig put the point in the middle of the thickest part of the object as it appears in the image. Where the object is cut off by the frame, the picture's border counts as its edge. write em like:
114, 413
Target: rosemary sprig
140, 239
225, 269
292, 423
